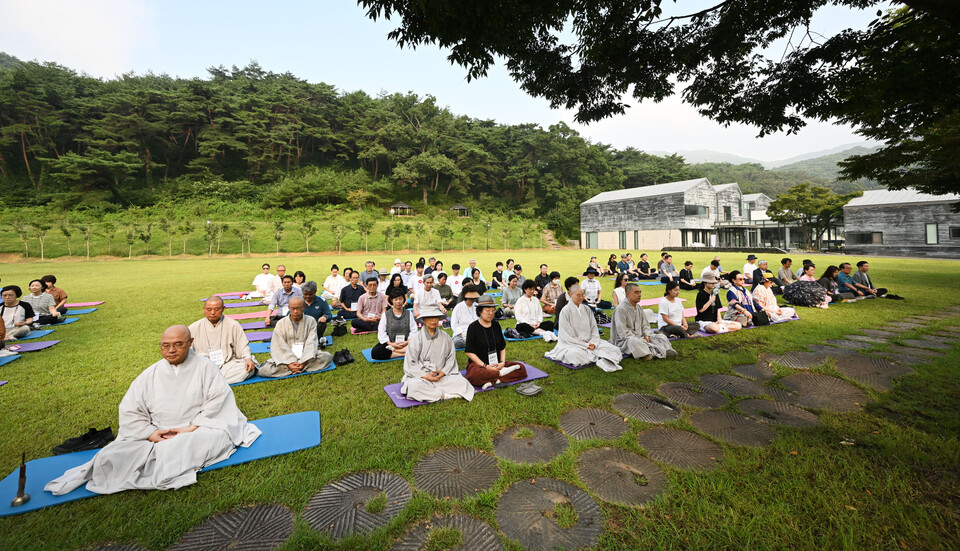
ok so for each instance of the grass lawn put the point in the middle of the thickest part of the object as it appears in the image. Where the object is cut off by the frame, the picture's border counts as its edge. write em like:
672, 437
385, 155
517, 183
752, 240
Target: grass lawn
897, 487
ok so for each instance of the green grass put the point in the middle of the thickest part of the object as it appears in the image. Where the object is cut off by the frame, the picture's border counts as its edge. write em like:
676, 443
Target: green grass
442, 539
565, 515
897, 487
376, 505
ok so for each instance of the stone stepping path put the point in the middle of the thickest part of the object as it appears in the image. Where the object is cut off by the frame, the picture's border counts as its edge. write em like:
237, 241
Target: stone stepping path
783, 396
928, 318
904, 325
849, 344
584, 424
474, 533
647, 408
942, 339
542, 447
918, 352
342, 507
778, 413
880, 333
732, 385
760, 372
251, 529
903, 359
829, 351
732, 428
621, 477
526, 514
867, 338
923, 343
118, 547
456, 473
681, 449
692, 395
949, 335
817, 391
795, 360
876, 373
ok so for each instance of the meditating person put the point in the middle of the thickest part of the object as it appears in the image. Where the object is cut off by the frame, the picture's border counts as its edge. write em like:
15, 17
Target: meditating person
644, 271
396, 282
611, 269
511, 293
178, 416
748, 269
430, 372
17, 316
222, 341
686, 277
623, 267
594, 264
530, 316
397, 267
427, 296
740, 303
496, 281
808, 272
407, 273
438, 267
43, 304
478, 282
803, 268
318, 309
395, 328
668, 272
542, 280
845, 281
472, 272
619, 289
564, 298
806, 291
551, 293
447, 298
672, 322
761, 272
708, 307
862, 279
486, 350
455, 281
369, 271
59, 295
829, 282
785, 273
714, 270
295, 347
350, 296
763, 295
370, 308
630, 332
332, 285
298, 279
663, 258
579, 341
592, 291
518, 271
508, 270
265, 283
463, 315
416, 282
279, 302
431, 268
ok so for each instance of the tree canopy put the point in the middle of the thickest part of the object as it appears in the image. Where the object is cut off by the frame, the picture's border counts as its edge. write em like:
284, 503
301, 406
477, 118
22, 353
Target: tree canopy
814, 208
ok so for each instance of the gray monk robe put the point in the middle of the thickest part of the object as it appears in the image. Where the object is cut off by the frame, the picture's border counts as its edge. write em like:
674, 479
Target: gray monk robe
578, 328
426, 354
628, 329
294, 342
224, 343
165, 397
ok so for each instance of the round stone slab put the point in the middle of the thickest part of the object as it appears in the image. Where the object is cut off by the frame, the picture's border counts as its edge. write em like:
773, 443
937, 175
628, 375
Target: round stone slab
778, 413
619, 476
584, 424
119, 547
904, 359
904, 324
254, 528
783, 396
545, 444
731, 384
340, 508
692, 395
919, 352
942, 339
849, 344
758, 372
879, 333
526, 511
829, 351
867, 338
732, 428
682, 449
475, 534
456, 473
795, 359
647, 408
871, 371
819, 391
924, 343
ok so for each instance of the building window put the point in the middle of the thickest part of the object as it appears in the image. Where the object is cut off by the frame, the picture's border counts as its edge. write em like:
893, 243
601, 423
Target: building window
932, 237
955, 232
636, 239
592, 240
864, 238
623, 240
696, 210
727, 213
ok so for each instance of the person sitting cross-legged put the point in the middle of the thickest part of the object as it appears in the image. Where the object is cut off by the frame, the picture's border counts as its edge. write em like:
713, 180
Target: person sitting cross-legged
395, 328
862, 280
708, 307
686, 277
332, 285
427, 295
530, 316
740, 303
295, 347
564, 298
350, 296
59, 295
511, 293
43, 304
370, 308
430, 372
447, 298
463, 315
265, 283
668, 272
763, 295
630, 332
280, 301
672, 323
222, 341
644, 270
17, 315
579, 341
551, 293
487, 350
592, 291
316, 308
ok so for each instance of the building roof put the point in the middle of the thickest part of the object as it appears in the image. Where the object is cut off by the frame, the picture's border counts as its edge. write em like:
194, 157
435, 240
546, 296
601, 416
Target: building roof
724, 187
646, 191
400, 205
754, 196
879, 197
458, 206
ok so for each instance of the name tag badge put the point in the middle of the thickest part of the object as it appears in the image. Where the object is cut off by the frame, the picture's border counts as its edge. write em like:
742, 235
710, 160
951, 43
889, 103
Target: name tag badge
400, 338
493, 358
284, 310
298, 349
216, 356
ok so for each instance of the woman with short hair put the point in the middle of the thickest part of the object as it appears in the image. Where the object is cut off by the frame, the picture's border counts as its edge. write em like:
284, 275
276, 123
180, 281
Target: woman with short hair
672, 322
486, 350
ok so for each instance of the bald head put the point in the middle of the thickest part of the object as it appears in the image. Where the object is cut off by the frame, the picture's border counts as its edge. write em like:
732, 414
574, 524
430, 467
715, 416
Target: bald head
175, 344
213, 310
296, 306
576, 294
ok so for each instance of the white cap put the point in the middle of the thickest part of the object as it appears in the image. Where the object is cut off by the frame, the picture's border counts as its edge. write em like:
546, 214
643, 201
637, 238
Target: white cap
397, 261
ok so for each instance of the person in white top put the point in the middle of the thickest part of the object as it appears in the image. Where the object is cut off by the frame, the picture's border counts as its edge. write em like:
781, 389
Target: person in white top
397, 267
472, 268
463, 315
332, 285
749, 268
672, 323
592, 292
416, 281
579, 343
427, 296
265, 283
455, 280
529, 314
407, 273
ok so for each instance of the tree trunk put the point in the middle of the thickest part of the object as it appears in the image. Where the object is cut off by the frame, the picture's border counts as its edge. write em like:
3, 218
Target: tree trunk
41, 249
26, 160
424, 194
130, 252
88, 249
169, 246
69, 248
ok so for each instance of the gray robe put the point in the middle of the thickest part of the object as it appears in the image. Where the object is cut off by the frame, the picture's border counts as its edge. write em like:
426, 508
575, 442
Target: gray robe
228, 337
628, 329
426, 354
578, 328
165, 397
282, 353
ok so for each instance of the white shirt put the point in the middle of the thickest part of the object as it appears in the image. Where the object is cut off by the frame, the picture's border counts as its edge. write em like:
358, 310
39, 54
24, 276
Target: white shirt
456, 284
406, 277
267, 283
591, 290
748, 270
396, 269
710, 270
416, 283
423, 297
334, 284
527, 310
673, 310
462, 317
621, 294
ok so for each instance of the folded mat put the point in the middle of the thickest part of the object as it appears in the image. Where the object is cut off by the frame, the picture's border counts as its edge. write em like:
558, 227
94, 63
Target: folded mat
249, 315
31, 346
83, 304
401, 401
254, 325
262, 347
7, 359
36, 334
247, 304
259, 379
66, 321
281, 435
78, 311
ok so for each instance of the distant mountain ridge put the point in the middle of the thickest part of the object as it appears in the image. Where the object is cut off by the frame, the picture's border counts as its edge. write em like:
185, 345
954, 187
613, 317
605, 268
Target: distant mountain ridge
695, 156
843, 150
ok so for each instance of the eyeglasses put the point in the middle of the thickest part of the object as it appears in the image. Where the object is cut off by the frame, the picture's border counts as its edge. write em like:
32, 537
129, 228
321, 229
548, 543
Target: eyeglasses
171, 345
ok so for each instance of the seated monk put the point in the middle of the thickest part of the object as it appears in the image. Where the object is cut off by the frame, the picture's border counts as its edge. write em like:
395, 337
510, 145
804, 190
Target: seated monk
579, 341
630, 332
396, 326
178, 416
222, 341
486, 350
294, 347
430, 369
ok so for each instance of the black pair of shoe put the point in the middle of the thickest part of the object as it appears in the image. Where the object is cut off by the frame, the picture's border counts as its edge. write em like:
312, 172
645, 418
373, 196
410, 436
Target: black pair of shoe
343, 357
92, 440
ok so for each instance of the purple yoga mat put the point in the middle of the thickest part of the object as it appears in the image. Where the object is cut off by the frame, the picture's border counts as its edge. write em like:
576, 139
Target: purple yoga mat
259, 336
253, 325
3, 383
401, 401
242, 304
32, 346
569, 366
249, 315
234, 293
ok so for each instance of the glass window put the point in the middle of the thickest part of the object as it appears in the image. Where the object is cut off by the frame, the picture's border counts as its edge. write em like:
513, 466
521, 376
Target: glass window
696, 210
636, 239
623, 240
592, 240
727, 213
955, 232
932, 238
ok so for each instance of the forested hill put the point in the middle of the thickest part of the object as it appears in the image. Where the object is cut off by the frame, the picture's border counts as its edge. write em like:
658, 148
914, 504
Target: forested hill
753, 178
251, 137
826, 166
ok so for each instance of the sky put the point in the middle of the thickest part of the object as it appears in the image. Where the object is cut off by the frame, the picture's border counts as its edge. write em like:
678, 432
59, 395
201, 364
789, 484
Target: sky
333, 41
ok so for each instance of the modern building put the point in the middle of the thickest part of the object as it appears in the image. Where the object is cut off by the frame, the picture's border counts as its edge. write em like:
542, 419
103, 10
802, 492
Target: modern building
902, 223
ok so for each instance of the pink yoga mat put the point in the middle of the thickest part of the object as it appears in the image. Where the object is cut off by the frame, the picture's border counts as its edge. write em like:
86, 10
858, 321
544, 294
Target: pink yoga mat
235, 293
353, 331
83, 304
655, 301
31, 346
691, 312
249, 315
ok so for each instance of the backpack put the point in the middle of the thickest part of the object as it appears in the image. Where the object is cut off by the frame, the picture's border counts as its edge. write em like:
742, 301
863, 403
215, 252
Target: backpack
601, 317
339, 331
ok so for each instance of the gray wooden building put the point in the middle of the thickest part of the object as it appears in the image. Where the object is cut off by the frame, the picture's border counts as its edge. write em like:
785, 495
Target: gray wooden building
902, 223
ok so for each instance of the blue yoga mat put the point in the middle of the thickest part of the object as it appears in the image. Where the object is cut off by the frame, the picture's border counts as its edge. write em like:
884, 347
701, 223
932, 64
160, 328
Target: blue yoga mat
36, 334
66, 321
366, 354
77, 311
281, 435
535, 337
262, 347
648, 282
259, 379
7, 359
